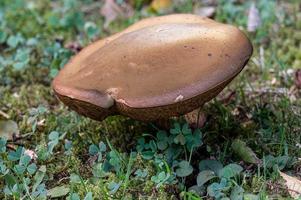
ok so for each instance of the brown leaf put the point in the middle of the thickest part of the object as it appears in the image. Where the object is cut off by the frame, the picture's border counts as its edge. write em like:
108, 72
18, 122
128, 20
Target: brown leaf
127, 9
112, 11
196, 119
293, 185
298, 78
159, 5
207, 11
254, 20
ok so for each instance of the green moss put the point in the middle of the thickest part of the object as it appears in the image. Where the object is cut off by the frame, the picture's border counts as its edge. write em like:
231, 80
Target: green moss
267, 121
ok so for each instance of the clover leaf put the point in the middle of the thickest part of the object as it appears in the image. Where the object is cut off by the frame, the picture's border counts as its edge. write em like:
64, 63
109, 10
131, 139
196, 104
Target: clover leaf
162, 140
176, 130
184, 169
97, 150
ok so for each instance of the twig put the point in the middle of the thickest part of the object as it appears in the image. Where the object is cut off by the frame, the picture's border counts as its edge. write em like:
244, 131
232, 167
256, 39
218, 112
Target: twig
11, 147
19, 137
62, 179
3, 114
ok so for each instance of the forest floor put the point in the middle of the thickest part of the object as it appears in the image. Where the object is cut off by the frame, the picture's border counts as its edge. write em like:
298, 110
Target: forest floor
248, 144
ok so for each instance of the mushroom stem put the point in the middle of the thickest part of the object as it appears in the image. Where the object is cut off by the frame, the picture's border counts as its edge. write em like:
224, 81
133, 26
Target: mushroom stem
162, 124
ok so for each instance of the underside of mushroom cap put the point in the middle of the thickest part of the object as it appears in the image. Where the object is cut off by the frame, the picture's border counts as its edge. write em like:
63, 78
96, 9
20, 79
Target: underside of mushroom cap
157, 68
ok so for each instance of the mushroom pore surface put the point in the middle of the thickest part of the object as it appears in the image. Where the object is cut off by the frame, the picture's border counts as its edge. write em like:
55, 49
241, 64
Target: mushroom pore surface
157, 68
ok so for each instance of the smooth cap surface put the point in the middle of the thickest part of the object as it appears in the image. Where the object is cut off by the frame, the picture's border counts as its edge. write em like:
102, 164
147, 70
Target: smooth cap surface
173, 62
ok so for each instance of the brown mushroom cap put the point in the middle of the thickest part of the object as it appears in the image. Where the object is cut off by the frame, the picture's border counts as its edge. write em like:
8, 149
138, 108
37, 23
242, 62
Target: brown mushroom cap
156, 68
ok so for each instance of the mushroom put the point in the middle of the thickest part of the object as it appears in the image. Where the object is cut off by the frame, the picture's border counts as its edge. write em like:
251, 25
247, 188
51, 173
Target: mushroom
157, 68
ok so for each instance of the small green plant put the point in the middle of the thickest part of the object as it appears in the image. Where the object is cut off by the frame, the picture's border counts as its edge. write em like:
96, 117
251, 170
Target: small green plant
97, 150
34, 118
168, 151
52, 156
22, 177
179, 141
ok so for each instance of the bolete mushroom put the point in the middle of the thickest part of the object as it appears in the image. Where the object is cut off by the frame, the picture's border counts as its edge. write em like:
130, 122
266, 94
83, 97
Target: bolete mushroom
157, 68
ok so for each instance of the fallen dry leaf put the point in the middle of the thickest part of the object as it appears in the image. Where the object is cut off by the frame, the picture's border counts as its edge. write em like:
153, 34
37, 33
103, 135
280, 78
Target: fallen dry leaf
160, 5
196, 118
8, 129
298, 78
293, 185
254, 20
111, 11
207, 11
